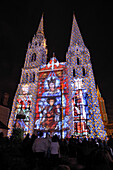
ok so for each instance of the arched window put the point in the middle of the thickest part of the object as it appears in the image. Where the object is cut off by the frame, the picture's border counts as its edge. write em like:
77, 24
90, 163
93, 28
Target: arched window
83, 71
33, 77
73, 72
78, 61
33, 58
30, 77
39, 43
26, 77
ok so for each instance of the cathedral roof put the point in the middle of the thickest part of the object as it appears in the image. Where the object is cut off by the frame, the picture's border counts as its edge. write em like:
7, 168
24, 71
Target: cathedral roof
76, 37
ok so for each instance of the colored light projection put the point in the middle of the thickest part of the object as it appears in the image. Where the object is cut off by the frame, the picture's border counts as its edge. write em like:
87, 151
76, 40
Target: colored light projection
23, 106
80, 109
52, 107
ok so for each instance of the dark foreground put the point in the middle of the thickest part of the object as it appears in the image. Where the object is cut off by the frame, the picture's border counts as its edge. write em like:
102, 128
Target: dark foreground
74, 155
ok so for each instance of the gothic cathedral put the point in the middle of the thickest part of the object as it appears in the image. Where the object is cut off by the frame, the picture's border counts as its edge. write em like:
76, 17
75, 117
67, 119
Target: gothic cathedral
57, 97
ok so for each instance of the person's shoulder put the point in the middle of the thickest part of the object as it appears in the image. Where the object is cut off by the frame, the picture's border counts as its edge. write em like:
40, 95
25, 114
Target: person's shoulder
54, 143
37, 139
43, 139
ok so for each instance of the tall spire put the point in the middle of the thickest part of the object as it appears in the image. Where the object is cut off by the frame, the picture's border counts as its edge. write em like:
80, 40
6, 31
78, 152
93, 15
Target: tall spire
76, 37
98, 92
40, 27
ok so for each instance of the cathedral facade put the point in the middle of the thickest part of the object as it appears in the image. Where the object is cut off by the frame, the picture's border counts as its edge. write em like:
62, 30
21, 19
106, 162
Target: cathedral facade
57, 98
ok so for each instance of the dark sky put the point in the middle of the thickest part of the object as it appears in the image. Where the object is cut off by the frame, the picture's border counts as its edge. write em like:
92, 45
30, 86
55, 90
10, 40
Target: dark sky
19, 22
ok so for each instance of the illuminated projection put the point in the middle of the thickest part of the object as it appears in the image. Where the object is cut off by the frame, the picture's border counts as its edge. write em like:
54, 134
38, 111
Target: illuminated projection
57, 97
23, 111
52, 103
80, 109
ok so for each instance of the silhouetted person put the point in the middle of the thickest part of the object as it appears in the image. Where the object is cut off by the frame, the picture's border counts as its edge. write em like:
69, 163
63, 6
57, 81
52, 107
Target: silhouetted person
40, 148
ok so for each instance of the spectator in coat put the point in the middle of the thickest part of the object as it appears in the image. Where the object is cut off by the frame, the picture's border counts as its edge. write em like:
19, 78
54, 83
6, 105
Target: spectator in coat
40, 147
55, 149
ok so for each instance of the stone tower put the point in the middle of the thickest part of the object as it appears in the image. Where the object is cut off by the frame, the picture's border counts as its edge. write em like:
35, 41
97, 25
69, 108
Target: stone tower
36, 56
80, 68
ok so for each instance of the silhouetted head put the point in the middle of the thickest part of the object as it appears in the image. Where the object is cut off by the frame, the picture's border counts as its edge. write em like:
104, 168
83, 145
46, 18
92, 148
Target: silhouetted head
41, 134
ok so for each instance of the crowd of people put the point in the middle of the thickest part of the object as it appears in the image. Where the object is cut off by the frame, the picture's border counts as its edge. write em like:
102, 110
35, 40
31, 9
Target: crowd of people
52, 153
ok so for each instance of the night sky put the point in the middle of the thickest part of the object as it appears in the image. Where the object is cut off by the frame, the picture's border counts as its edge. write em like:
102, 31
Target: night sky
19, 22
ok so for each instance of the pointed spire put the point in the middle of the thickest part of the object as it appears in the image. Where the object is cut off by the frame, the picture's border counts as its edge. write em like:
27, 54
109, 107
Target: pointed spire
53, 54
98, 92
41, 27
76, 37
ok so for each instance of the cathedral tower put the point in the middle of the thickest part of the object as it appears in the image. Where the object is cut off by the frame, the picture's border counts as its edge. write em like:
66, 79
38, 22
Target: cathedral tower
25, 98
80, 69
37, 53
